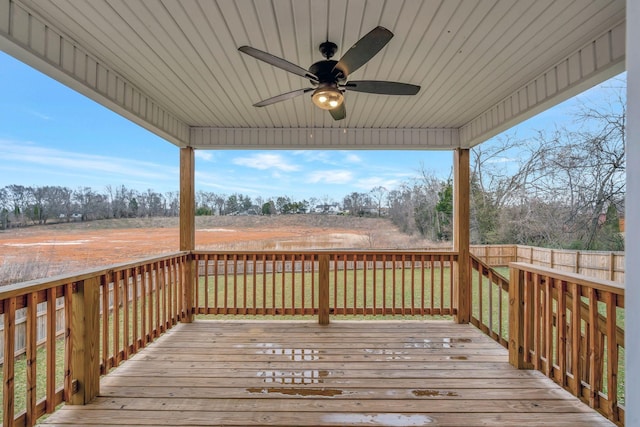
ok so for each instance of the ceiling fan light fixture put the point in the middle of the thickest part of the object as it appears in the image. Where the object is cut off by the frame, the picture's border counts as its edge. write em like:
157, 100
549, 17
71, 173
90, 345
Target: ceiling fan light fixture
327, 97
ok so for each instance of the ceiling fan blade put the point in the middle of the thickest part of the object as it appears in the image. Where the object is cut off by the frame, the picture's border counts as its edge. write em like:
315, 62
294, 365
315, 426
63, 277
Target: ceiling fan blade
278, 62
364, 49
339, 113
282, 97
382, 87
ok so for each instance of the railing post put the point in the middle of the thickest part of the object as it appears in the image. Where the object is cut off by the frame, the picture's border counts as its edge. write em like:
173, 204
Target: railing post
516, 317
85, 340
323, 292
187, 228
462, 286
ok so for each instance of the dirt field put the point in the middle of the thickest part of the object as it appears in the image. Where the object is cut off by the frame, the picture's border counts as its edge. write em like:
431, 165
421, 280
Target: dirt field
41, 251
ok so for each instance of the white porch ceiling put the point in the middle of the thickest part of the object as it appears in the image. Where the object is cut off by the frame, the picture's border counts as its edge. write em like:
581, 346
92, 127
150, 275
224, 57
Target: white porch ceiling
173, 66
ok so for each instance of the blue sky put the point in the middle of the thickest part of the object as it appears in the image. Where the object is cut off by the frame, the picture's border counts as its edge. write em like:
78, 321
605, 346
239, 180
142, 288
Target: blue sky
51, 135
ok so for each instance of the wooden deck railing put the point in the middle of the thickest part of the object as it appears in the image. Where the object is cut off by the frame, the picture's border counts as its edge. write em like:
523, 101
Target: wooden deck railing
143, 299
490, 301
352, 283
571, 328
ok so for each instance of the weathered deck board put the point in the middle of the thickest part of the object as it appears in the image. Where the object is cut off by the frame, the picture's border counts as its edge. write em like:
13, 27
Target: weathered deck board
348, 373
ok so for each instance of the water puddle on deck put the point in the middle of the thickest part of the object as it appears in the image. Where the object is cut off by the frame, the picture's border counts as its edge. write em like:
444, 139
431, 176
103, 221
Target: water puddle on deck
379, 419
296, 391
391, 354
444, 343
434, 393
294, 377
295, 354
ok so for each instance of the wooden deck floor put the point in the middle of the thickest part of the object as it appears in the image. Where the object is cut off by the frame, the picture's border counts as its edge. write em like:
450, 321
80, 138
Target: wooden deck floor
348, 373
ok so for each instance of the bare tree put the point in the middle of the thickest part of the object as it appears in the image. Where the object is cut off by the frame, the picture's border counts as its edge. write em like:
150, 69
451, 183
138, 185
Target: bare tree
378, 194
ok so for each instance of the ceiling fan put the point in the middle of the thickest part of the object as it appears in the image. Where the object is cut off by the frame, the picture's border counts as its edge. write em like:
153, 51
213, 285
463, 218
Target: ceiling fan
329, 77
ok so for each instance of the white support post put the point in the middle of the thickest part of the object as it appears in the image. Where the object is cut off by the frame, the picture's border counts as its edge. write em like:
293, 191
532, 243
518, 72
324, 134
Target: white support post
632, 218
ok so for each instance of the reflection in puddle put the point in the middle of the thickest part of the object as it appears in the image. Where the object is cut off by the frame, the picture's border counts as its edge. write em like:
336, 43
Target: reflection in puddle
392, 354
379, 419
296, 391
383, 351
296, 354
434, 393
440, 343
294, 377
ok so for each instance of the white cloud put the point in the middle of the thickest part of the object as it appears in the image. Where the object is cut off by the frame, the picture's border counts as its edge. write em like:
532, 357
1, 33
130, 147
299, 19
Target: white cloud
265, 161
353, 158
330, 177
372, 182
204, 155
32, 154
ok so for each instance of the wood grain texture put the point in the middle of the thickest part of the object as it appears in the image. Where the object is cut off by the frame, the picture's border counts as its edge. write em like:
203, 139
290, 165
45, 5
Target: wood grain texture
296, 373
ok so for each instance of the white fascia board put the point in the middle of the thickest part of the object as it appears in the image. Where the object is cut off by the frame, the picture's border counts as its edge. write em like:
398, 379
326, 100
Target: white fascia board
324, 138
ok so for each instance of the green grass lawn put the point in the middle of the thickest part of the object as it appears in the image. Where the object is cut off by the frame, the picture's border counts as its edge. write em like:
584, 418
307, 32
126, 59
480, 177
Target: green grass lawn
41, 385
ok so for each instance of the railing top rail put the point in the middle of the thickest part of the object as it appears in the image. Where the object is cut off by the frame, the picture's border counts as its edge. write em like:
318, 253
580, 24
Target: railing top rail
600, 284
22, 288
498, 275
329, 251
559, 250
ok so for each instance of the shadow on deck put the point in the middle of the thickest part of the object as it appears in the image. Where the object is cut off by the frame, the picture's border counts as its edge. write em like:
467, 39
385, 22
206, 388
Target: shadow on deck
285, 373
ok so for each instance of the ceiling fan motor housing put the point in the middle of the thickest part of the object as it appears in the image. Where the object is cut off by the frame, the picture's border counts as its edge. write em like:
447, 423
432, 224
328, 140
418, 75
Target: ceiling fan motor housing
326, 72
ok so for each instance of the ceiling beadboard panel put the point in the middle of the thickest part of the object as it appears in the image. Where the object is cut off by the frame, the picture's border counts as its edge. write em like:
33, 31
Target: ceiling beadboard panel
467, 55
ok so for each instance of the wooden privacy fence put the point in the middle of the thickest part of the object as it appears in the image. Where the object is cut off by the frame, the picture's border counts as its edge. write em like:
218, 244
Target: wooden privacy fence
571, 328
601, 265
323, 283
41, 328
145, 298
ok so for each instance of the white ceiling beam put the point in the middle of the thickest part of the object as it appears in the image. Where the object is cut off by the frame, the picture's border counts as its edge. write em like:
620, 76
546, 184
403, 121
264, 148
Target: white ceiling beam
595, 62
324, 138
40, 45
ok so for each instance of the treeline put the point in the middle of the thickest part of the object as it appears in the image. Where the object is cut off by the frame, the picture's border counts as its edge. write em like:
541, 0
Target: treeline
26, 205
563, 188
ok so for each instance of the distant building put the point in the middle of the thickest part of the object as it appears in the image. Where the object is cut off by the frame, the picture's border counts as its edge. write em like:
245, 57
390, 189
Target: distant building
332, 209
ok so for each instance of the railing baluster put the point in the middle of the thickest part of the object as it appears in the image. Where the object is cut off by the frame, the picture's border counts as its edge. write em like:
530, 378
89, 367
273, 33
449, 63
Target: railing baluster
125, 312
264, 283
31, 340
51, 350
595, 377
293, 284
364, 285
216, 290
384, 284
442, 284
8, 367
561, 329
303, 270
610, 300
283, 286
244, 284
135, 304
355, 283
576, 335
536, 321
548, 325
254, 264
375, 284
432, 265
